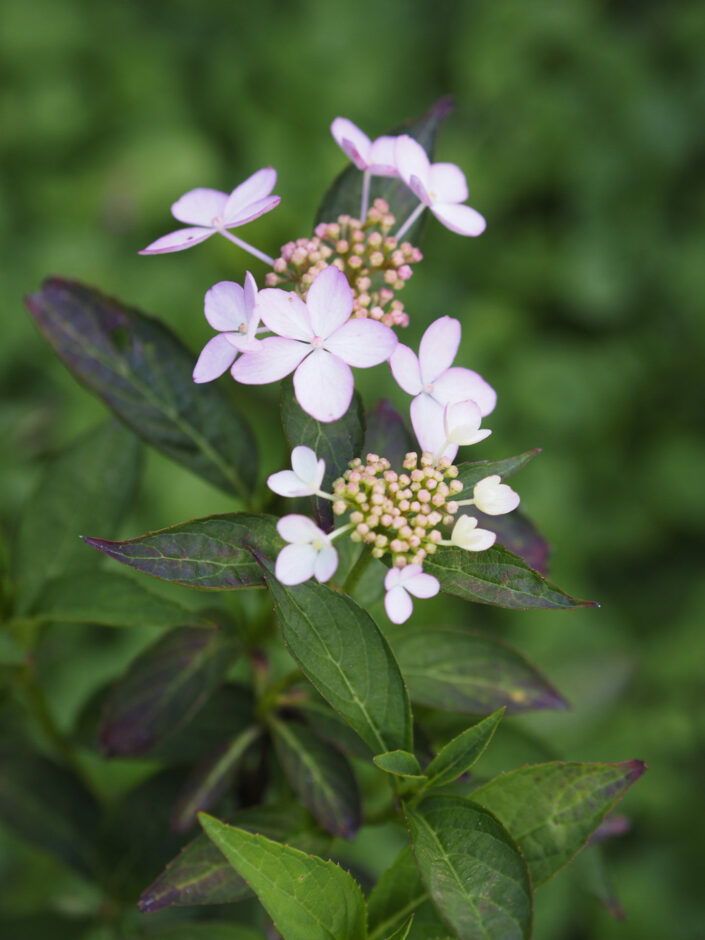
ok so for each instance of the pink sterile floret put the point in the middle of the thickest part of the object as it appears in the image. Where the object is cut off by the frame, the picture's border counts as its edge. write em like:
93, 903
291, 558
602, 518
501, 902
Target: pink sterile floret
209, 210
375, 157
400, 583
229, 308
309, 554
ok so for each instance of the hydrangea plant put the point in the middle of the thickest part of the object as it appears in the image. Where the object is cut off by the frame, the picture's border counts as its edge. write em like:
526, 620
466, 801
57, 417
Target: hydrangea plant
375, 718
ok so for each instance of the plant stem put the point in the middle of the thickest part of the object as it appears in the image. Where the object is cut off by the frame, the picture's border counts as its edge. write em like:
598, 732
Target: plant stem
357, 571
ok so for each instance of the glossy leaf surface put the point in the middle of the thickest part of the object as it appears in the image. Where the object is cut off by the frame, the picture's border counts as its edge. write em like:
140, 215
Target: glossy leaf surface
460, 754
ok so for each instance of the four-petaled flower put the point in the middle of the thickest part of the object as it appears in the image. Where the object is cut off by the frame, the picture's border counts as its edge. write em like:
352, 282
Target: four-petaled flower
310, 553
319, 340
435, 383
229, 308
440, 186
374, 157
208, 211
400, 583
493, 497
466, 535
305, 477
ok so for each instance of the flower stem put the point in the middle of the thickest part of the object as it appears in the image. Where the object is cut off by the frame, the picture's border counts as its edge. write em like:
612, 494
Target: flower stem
241, 244
365, 195
410, 221
357, 571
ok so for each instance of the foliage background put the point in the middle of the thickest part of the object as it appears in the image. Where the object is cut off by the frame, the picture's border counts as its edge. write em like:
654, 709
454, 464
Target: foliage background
580, 126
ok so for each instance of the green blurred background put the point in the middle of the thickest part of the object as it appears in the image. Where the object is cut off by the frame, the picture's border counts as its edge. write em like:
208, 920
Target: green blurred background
579, 125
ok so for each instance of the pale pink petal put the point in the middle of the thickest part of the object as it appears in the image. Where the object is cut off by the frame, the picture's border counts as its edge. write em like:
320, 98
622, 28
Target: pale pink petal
494, 497
382, 157
362, 343
427, 421
252, 210
450, 452
243, 342
307, 466
224, 306
274, 358
419, 190
287, 483
284, 313
326, 564
217, 356
412, 160
422, 585
255, 187
177, 241
199, 206
329, 301
458, 218
405, 369
447, 183
354, 143
398, 605
392, 578
439, 344
298, 529
295, 564
250, 291
323, 385
460, 384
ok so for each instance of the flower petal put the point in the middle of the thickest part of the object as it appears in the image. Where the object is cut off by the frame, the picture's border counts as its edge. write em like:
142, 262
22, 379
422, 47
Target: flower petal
382, 157
461, 421
354, 142
323, 385
405, 369
199, 206
284, 313
216, 356
224, 306
274, 358
326, 564
255, 187
362, 343
177, 241
438, 348
329, 301
307, 467
412, 160
460, 384
427, 421
466, 535
447, 183
459, 218
288, 483
252, 211
423, 585
494, 497
392, 578
398, 605
295, 564
298, 529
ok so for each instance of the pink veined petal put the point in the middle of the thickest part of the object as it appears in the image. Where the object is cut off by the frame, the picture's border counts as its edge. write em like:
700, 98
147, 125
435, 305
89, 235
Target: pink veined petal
323, 385
382, 157
326, 564
284, 313
199, 206
398, 605
412, 160
295, 564
352, 141
422, 585
307, 466
438, 348
177, 241
298, 529
224, 306
275, 357
216, 356
362, 343
460, 384
255, 187
329, 301
447, 183
427, 421
459, 218
252, 210
405, 369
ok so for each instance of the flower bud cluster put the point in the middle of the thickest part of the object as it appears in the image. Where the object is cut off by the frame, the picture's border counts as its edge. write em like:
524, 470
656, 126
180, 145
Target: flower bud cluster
375, 264
398, 513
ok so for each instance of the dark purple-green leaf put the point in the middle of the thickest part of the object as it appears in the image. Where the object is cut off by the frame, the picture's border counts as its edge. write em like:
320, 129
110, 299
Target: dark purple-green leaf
387, 434
517, 534
471, 473
143, 372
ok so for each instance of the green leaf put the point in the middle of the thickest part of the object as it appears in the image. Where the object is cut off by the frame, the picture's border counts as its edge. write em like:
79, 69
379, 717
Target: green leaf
321, 777
210, 931
112, 600
342, 652
163, 688
401, 763
459, 671
496, 577
144, 373
471, 473
212, 553
459, 755
328, 724
211, 779
200, 874
307, 898
387, 434
11, 653
399, 893
552, 809
472, 868
91, 483
403, 932
344, 196
337, 442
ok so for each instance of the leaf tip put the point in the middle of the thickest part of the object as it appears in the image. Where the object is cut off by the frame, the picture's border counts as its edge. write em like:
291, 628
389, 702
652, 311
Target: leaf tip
635, 769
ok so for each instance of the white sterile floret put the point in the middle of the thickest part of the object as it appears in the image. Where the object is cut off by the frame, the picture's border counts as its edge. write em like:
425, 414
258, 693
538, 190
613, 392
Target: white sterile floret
493, 497
310, 553
466, 535
400, 583
305, 477
461, 423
